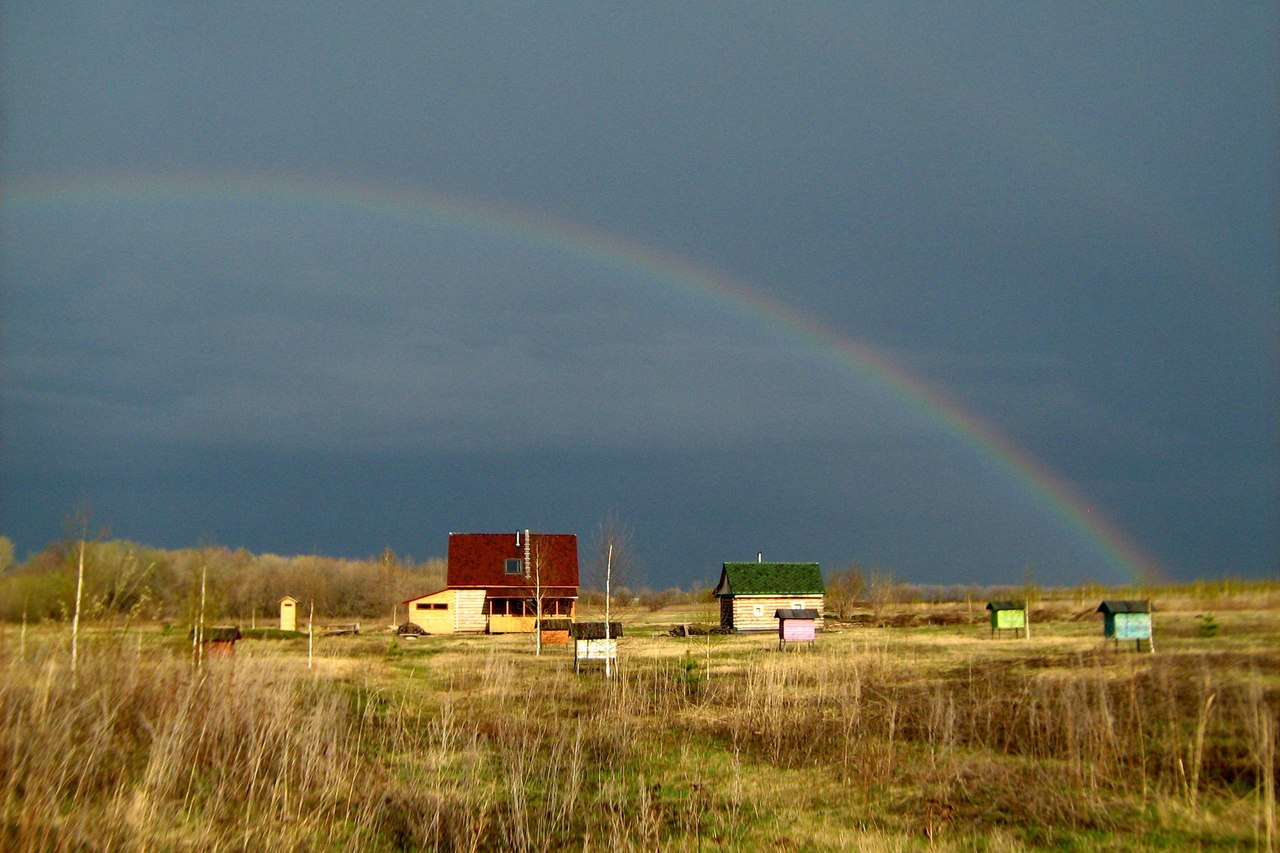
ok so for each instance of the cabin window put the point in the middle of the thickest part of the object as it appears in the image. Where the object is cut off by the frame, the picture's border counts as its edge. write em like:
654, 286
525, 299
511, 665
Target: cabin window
422, 605
757, 610
796, 605
514, 566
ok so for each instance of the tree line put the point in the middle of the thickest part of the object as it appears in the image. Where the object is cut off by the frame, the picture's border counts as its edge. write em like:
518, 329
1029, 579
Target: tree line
125, 582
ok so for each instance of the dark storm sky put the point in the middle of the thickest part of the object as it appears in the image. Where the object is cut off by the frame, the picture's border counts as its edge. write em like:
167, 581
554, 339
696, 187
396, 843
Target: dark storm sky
1064, 217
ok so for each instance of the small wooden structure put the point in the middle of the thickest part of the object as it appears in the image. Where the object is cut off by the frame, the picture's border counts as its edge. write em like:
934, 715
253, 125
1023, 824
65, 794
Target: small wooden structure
796, 626
751, 593
555, 632
590, 643
288, 613
221, 642
1007, 616
1127, 619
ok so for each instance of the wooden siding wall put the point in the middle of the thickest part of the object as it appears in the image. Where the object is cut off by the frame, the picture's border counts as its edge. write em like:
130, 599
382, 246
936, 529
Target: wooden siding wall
433, 621
499, 624
468, 611
463, 612
744, 618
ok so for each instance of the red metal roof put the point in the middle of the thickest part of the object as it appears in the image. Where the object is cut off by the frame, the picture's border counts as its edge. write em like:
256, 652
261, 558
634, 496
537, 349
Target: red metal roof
478, 561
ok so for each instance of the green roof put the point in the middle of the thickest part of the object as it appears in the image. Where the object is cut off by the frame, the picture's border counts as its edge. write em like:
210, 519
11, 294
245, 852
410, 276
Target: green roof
770, 579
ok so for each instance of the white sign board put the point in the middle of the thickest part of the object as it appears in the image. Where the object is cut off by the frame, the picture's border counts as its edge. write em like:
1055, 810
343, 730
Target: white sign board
596, 649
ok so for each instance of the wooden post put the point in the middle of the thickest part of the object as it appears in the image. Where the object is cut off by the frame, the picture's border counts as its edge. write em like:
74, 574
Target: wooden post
311, 632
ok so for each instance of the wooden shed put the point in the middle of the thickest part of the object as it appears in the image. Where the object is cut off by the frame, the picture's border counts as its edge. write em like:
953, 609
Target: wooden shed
1127, 619
288, 613
796, 626
1007, 616
752, 593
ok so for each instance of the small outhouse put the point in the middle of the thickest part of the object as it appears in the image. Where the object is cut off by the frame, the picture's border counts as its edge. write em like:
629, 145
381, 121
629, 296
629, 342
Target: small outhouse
1127, 619
1007, 616
288, 613
796, 625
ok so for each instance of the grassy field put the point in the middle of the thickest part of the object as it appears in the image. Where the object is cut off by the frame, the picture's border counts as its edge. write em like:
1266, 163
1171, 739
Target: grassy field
923, 733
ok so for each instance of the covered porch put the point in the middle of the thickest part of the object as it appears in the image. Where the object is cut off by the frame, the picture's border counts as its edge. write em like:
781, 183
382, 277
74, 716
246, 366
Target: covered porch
517, 615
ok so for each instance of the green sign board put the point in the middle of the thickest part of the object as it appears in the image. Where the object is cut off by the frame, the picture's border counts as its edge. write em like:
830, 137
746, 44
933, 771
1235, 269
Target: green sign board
1011, 619
1133, 626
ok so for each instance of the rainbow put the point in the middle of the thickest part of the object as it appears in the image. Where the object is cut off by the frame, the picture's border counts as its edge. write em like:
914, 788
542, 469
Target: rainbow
691, 280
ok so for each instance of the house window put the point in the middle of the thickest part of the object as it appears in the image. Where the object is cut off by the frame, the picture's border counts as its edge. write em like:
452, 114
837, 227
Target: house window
797, 605
514, 566
757, 610
423, 605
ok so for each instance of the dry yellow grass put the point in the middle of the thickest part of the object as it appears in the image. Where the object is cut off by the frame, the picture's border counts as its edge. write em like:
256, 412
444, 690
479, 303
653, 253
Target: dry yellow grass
876, 738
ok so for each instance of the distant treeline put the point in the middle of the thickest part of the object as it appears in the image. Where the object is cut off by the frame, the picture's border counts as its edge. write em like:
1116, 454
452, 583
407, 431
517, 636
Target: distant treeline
125, 581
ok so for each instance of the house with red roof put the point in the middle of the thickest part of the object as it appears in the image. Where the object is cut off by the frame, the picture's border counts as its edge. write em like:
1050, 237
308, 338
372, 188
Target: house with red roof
500, 582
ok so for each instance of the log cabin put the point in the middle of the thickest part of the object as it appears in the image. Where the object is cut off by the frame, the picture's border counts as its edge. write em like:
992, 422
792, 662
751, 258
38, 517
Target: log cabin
751, 594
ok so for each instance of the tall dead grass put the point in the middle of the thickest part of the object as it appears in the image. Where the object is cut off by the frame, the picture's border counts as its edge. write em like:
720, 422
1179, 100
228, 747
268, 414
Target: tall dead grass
1089, 745
516, 753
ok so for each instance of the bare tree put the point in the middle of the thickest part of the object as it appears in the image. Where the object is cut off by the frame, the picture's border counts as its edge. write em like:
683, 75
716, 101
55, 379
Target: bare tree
844, 588
390, 571
78, 530
1030, 594
881, 590
612, 565
538, 560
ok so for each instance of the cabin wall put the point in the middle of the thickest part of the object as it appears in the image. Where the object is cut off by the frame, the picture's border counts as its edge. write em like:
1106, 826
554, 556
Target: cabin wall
755, 612
499, 624
434, 613
468, 611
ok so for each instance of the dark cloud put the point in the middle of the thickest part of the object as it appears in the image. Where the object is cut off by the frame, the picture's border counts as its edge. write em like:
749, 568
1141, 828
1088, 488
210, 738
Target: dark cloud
1063, 218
